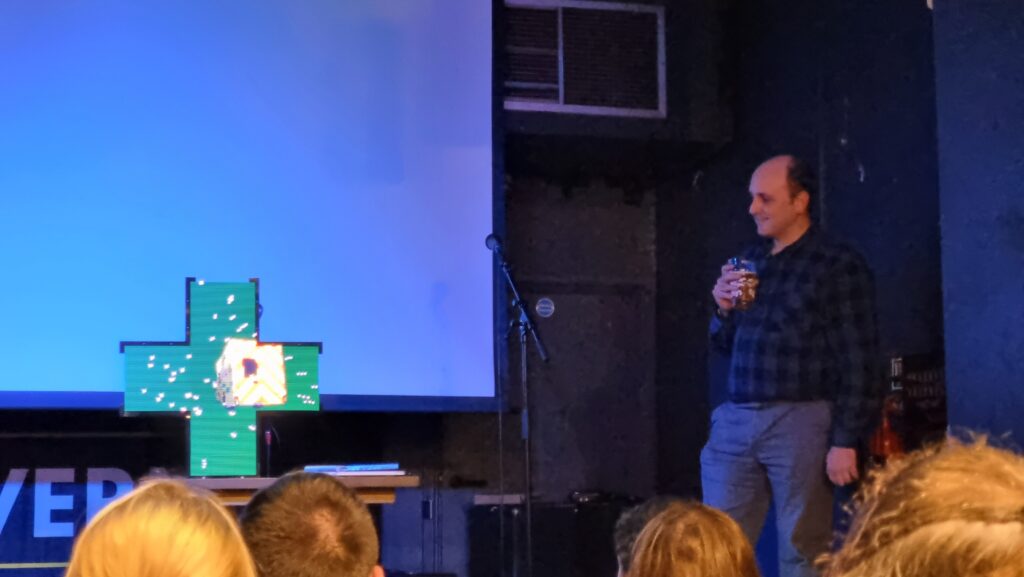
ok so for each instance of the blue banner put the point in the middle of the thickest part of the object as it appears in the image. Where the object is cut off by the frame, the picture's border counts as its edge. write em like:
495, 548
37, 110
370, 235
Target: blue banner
41, 511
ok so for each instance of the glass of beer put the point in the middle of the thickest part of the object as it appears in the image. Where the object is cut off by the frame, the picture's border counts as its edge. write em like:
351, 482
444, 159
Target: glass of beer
746, 286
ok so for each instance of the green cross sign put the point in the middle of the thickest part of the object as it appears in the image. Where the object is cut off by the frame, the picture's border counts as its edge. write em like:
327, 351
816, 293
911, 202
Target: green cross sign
220, 376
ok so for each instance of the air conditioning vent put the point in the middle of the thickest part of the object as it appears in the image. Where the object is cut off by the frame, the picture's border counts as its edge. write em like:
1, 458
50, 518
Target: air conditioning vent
579, 57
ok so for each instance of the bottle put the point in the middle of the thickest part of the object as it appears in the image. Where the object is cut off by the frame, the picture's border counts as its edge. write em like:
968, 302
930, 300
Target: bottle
887, 442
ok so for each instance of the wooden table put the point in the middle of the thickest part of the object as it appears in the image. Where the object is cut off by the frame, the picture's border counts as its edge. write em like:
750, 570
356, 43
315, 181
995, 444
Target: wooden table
374, 489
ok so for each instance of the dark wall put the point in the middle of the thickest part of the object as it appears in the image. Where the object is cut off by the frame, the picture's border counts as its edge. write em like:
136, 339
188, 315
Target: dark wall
590, 248
142, 444
979, 66
881, 176
81, 439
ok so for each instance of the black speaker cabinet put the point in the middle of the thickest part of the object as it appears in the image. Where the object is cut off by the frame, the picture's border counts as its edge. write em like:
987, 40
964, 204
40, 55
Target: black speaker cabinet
568, 540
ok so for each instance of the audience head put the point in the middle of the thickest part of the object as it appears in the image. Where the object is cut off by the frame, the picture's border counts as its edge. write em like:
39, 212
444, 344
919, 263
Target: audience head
692, 540
951, 510
311, 525
161, 529
629, 525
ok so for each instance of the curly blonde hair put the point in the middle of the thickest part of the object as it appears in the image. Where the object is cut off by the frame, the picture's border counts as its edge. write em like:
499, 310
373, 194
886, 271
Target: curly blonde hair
162, 529
690, 539
956, 509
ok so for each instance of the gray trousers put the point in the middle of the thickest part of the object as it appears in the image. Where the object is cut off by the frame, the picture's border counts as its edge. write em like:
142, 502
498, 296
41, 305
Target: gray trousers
760, 451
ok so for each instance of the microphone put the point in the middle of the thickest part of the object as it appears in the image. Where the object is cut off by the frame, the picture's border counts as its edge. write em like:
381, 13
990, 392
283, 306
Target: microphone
493, 243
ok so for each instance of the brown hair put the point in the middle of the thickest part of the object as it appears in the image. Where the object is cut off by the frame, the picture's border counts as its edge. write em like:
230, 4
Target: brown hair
951, 510
310, 525
692, 540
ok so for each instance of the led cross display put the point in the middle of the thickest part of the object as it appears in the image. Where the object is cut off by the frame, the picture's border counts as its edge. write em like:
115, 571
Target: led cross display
220, 376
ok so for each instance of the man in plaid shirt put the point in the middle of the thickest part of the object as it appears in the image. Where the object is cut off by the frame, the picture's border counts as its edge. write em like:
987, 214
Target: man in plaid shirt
803, 381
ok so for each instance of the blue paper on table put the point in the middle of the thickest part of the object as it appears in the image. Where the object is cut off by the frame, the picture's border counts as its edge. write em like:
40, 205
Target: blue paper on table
365, 468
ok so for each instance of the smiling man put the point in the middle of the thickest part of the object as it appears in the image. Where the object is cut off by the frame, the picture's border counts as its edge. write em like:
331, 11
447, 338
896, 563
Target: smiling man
803, 381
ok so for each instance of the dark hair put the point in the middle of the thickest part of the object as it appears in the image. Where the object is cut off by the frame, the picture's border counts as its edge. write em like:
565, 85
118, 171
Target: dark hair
632, 521
801, 177
310, 525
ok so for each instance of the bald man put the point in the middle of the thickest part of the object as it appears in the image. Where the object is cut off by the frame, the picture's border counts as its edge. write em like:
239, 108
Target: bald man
804, 385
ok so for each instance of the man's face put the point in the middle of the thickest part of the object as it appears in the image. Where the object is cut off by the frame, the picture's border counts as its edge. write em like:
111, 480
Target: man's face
774, 209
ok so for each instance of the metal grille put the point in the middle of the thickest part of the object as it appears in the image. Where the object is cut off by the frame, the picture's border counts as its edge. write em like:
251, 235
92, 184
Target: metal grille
611, 58
585, 58
532, 54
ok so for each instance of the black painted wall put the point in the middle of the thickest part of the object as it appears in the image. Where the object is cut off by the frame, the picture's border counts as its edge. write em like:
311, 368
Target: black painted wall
979, 66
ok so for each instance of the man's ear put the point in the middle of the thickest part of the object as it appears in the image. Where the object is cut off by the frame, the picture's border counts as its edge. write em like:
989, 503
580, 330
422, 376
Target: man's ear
377, 571
803, 201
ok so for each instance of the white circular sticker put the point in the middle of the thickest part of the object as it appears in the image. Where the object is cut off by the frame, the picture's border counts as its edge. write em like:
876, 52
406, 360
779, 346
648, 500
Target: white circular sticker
545, 307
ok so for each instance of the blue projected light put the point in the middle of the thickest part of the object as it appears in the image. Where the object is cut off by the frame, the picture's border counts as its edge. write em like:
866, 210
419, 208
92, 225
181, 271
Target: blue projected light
338, 151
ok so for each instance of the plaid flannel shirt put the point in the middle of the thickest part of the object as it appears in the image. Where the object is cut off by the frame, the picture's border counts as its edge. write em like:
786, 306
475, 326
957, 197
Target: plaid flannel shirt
810, 334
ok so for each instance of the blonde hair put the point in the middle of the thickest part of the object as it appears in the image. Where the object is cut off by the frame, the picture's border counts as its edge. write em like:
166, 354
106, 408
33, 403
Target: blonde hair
162, 529
692, 540
951, 510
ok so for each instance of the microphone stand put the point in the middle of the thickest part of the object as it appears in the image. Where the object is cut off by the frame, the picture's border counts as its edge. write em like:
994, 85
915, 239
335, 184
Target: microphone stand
526, 330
